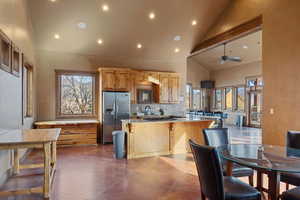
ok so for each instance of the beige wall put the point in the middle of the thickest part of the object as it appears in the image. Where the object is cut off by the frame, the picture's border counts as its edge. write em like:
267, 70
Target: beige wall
236, 75
196, 73
281, 60
14, 21
49, 61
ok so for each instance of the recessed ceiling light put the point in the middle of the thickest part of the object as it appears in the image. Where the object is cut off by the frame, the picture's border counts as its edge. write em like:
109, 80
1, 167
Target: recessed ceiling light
152, 15
99, 41
82, 25
139, 46
56, 36
245, 47
194, 22
105, 7
53, 0
177, 38
176, 50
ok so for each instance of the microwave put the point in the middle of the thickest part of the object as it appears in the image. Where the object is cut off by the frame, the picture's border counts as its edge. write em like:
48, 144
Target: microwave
144, 96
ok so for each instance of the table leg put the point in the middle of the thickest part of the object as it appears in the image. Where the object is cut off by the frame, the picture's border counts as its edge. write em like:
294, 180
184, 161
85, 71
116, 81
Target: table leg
229, 168
16, 162
47, 169
53, 153
274, 185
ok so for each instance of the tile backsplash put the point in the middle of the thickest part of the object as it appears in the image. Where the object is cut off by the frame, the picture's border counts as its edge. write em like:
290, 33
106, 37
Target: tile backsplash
169, 109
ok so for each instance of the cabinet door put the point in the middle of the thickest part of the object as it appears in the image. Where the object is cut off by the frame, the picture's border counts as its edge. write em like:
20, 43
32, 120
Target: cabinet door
122, 81
108, 80
164, 88
132, 81
174, 89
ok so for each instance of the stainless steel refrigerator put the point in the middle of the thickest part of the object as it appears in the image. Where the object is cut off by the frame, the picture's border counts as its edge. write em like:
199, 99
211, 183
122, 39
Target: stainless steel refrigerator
115, 107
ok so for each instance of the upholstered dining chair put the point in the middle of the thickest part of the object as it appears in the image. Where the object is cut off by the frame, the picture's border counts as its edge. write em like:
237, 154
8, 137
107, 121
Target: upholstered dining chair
293, 194
219, 136
213, 185
292, 141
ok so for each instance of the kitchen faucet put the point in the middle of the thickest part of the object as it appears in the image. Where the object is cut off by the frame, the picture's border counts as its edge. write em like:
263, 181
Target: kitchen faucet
147, 110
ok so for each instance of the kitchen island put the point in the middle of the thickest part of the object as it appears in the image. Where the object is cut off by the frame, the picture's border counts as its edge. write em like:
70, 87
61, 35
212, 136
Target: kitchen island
147, 138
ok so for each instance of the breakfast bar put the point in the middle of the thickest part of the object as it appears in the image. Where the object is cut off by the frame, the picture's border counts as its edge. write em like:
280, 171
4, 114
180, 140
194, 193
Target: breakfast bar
147, 138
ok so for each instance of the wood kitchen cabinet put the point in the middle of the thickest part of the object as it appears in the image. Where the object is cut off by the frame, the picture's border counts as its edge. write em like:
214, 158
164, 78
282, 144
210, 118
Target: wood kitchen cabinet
132, 82
108, 80
122, 81
114, 79
164, 85
164, 88
169, 88
173, 89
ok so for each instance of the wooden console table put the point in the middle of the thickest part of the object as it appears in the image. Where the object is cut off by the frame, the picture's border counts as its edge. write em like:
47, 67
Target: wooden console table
83, 132
33, 138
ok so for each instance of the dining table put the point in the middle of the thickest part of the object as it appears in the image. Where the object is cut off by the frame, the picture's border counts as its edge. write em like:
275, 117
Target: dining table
271, 160
44, 139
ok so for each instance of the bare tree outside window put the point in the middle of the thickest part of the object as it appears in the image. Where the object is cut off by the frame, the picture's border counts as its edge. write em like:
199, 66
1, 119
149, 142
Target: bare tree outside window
76, 95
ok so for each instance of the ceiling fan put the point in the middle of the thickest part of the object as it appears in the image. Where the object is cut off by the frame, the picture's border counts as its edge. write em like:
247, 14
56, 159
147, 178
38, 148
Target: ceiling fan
225, 58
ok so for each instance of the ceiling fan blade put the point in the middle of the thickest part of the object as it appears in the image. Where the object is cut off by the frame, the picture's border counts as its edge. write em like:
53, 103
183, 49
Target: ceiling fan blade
234, 59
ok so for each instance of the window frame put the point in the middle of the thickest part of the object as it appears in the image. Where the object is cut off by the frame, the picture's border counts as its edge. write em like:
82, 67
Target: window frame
236, 98
225, 99
27, 90
190, 97
215, 99
58, 74
200, 98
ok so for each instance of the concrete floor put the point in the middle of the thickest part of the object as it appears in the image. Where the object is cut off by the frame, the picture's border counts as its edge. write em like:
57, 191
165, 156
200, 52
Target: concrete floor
92, 173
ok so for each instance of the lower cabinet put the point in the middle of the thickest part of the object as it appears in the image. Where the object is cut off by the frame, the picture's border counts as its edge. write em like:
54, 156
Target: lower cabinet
73, 133
162, 138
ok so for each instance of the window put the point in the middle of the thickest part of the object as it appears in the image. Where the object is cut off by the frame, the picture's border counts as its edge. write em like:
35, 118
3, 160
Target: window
196, 99
188, 100
27, 90
228, 98
76, 94
218, 99
240, 98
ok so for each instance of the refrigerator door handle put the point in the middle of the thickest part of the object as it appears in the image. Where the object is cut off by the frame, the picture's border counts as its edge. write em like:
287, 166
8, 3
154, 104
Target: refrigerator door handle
115, 110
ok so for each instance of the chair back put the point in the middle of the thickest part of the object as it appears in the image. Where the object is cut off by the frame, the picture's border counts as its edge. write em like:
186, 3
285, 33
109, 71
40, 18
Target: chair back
209, 171
216, 136
293, 139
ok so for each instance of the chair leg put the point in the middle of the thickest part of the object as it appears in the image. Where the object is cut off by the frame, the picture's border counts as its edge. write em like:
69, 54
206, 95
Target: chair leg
251, 180
202, 196
287, 186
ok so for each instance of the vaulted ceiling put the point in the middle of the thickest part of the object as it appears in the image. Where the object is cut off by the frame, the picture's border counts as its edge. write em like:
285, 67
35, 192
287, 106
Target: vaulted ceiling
123, 26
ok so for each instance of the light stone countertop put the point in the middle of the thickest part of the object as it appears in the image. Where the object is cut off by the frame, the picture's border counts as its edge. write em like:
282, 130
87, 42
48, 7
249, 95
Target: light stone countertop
66, 122
198, 119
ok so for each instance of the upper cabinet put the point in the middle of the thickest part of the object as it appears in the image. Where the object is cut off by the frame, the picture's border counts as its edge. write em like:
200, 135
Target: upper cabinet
174, 86
114, 79
165, 85
122, 80
169, 88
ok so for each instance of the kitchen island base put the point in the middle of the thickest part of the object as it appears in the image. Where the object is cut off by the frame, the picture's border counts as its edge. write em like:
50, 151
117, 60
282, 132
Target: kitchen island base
145, 139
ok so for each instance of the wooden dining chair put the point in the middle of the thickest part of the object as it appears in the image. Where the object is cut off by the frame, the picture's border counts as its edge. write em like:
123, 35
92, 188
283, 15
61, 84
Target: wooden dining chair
219, 136
292, 141
213, 185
